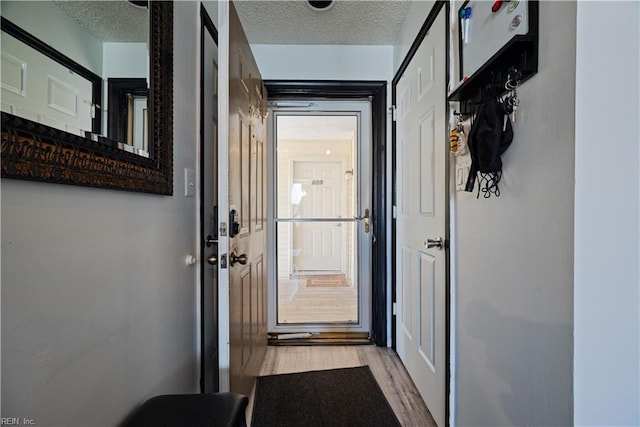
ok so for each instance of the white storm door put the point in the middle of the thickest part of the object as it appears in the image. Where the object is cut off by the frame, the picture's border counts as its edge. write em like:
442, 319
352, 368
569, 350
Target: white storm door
421, 176
321, 233
320, 243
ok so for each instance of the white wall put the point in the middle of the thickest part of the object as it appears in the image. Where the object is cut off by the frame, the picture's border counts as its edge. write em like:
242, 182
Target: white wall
98, 308
514, 259
606, 306
322, 62
417, 14
48, 23
125, 59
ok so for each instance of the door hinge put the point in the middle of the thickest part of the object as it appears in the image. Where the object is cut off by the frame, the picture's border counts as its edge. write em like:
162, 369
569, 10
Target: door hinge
394, 212
394, 308
394, 115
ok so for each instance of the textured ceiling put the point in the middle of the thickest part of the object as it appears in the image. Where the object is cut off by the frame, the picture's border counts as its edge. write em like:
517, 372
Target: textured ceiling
110, 21
353, 22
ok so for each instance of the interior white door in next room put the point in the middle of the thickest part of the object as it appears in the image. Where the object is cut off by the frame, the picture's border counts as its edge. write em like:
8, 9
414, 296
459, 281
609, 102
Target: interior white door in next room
320, 244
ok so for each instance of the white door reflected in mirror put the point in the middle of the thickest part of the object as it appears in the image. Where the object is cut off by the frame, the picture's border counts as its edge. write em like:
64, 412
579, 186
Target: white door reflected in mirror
55, 70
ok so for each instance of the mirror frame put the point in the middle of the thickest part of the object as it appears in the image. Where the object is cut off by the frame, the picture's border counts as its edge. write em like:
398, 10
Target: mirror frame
36, 152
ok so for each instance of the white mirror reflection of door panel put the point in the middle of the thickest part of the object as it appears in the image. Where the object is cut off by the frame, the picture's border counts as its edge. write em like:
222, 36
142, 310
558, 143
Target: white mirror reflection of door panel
55, 93
320, 189
38, 88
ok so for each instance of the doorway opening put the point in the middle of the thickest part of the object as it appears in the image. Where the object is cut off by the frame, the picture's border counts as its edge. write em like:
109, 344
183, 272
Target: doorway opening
209, 361
328, 274
318, 163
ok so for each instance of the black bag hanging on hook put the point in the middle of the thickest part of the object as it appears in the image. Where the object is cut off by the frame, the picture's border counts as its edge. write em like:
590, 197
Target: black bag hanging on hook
490, 136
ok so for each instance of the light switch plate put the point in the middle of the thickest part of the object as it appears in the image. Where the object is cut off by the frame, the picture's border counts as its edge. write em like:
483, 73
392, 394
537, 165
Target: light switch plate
459, 177
462, 172
189, 182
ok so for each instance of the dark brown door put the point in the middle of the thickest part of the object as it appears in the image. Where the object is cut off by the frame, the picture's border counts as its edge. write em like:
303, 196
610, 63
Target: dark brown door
247, 225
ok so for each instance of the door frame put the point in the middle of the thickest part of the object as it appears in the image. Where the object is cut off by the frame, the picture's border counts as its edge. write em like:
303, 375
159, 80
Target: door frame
206, 25
422, 34
376, 91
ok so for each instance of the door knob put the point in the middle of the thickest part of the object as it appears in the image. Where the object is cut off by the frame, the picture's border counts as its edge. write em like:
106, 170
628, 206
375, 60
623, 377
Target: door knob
235, 258
434, 243
212, 259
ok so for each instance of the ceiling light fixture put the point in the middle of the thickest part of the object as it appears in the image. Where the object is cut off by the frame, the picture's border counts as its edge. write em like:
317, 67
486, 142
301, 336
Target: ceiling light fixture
321, 6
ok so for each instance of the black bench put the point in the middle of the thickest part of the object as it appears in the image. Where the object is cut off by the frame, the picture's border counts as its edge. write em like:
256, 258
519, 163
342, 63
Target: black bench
190, 410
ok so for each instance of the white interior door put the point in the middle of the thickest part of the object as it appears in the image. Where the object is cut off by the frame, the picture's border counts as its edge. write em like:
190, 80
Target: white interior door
38, 88
320, 244
421, 174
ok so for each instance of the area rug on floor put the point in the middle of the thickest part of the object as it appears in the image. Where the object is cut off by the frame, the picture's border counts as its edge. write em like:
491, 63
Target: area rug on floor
336, 397
327, 281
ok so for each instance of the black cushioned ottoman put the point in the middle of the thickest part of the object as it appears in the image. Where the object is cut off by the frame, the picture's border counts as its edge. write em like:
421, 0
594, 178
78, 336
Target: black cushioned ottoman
191, 410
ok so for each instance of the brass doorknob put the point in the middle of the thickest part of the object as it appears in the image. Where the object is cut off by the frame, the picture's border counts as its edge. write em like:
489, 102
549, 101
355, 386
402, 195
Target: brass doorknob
235, 258
212, 259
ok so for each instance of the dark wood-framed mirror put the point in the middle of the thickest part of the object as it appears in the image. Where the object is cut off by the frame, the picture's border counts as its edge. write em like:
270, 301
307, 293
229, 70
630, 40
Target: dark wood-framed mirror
37, 152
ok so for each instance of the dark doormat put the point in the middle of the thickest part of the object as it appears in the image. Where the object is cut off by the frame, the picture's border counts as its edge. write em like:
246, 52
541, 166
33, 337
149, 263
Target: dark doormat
336, 397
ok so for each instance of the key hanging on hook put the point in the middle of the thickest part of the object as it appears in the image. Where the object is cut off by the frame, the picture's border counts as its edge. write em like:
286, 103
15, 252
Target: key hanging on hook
512, 100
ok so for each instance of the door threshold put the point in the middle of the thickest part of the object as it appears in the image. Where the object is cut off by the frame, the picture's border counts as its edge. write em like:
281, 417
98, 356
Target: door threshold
320, 338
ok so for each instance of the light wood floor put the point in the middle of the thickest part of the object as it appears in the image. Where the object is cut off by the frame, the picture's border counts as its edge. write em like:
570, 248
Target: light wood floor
383, 362
298, 303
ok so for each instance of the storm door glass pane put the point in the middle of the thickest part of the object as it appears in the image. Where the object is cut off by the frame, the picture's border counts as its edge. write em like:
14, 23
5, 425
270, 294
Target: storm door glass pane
316, 232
